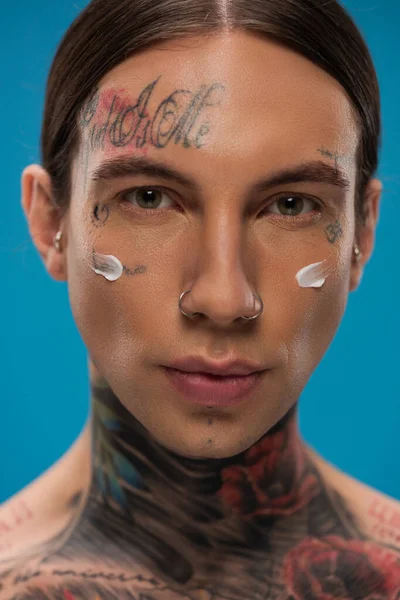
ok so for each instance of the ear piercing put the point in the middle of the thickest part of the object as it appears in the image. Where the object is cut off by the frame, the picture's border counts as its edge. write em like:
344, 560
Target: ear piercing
57, 240
357, 253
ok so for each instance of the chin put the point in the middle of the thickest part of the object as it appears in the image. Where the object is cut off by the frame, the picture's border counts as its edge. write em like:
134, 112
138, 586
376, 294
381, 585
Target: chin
226, 441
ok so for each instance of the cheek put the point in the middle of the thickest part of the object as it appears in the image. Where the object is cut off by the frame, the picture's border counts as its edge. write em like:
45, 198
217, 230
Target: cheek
312, 319
94, 307
110, 315
113, 317
304, 321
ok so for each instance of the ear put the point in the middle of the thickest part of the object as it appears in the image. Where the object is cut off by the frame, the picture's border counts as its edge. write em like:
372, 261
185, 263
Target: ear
366, 231
43, 218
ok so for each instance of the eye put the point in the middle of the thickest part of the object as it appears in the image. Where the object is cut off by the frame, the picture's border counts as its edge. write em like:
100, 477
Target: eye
146, 197
287, 205
291, 205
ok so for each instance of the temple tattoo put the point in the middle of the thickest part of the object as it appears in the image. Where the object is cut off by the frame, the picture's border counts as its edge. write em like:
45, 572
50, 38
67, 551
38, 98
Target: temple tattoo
335, 156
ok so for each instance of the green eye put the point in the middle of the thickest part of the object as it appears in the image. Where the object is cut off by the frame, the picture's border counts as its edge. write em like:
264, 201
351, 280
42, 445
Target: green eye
291, 205
145, 197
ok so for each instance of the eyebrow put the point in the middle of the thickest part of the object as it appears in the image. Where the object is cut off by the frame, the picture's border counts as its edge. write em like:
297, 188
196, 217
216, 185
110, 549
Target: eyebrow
316, 171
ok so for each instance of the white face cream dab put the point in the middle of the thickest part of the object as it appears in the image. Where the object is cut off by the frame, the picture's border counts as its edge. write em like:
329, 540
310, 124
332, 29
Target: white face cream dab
313, 275
111, 268
107, 265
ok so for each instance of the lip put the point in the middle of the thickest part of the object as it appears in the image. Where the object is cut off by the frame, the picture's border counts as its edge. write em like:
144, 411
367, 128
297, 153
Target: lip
198, 364
211, 390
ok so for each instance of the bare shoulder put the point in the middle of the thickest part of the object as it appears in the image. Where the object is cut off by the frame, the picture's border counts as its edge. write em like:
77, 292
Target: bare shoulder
40, 509
377, 513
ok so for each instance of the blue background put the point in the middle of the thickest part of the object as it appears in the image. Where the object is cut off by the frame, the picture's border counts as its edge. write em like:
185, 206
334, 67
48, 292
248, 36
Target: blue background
350, 410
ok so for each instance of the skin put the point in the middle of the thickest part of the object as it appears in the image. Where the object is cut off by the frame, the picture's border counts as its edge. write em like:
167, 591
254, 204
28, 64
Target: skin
235, 505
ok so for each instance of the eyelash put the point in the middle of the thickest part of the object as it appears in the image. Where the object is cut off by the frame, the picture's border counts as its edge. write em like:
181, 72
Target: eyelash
302, 217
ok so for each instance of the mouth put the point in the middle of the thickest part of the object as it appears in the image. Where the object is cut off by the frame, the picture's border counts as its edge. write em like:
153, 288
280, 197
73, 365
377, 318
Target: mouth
214, 390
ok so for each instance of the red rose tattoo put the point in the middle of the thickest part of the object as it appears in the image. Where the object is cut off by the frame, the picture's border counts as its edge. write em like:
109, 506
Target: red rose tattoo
332, 568
273, 480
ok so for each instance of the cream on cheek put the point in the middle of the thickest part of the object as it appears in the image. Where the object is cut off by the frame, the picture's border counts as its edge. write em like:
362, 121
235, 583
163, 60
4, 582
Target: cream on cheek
107, 265
313, 275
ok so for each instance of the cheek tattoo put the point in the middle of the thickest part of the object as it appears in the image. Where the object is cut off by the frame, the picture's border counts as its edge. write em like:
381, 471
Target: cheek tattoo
139, 270
333, 232
100, 215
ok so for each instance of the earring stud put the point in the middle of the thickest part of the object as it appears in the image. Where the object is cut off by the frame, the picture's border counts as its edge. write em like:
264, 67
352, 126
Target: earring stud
357, 254
57, 240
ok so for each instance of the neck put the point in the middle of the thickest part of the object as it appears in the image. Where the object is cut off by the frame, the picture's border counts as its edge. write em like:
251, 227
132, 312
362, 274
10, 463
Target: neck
183, 517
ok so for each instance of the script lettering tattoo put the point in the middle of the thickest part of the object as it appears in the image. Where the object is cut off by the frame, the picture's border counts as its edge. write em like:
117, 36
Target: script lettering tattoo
112, 120
333, 232
100, 575
27, 576
139, 270
89, 108
87, 114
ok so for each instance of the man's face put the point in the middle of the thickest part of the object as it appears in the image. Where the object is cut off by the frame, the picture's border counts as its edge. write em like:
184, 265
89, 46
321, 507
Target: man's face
226, 113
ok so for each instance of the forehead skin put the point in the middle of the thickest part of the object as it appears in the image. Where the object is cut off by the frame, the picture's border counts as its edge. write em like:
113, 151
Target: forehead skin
276, 107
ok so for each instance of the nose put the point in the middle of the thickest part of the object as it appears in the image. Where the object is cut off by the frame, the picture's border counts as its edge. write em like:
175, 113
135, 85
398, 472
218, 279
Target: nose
222, 292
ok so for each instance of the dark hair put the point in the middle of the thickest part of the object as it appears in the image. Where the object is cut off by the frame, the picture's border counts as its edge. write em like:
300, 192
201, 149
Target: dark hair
107, 32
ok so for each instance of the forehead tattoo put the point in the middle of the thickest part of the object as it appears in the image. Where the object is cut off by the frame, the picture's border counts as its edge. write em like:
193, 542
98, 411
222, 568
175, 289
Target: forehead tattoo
111, 119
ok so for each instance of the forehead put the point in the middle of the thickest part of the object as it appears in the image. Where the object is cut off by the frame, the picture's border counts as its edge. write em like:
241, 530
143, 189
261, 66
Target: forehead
267, 100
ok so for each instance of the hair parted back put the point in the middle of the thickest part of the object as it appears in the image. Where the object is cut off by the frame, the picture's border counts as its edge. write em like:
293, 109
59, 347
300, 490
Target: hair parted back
107, 32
